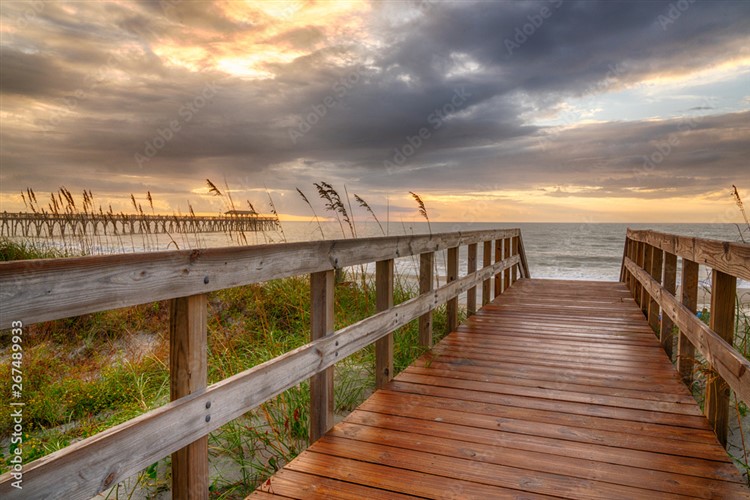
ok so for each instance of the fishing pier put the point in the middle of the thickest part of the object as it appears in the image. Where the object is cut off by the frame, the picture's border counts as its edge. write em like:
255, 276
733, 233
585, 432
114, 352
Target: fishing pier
46, 225
550, 388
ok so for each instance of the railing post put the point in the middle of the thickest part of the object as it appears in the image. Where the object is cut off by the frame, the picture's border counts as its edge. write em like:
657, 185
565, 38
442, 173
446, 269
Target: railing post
723, 291
634, 257
646, 265
188, 369
623, 271
670, 281
635, 250
384, 301
452, 276
321, 324
655, 270
506, 254
514, 271
471, 267
525, 273
624, 274
498, 276
426, 285
640, 258
689, 292
486, 284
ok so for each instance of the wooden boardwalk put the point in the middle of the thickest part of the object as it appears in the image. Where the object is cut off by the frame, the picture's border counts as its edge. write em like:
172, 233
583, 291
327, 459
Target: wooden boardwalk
555, 389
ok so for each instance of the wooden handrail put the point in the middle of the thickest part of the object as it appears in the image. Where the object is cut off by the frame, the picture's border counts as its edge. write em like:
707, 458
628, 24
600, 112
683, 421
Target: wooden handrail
725, 256
649, 267
97, 463
48, 289
727, 362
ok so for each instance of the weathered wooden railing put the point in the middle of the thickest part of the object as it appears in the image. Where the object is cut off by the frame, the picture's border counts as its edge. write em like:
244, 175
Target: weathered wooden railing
35, 291
650, 267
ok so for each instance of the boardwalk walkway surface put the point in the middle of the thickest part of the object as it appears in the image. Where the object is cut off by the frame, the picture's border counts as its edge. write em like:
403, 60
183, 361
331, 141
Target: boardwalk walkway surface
555, 389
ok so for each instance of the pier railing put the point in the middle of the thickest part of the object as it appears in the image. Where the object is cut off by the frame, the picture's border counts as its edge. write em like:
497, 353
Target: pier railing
649, 268
48, 225
42, 290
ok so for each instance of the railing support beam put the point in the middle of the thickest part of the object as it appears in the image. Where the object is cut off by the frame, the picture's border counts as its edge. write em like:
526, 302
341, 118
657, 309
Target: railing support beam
471, 266
625, 253
498, 276
524, 266
506, 254
646, 265
321, 324
640, 248
655, 270
670, 281
452, 307
426, 285
723, 292
188, 368
514, 271
689, 292
486, 284
384, 301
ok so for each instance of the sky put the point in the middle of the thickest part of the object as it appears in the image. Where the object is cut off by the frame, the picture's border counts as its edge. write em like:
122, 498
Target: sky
508, 111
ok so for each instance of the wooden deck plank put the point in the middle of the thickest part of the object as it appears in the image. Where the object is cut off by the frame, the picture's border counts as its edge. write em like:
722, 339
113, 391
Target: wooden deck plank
496, 416
574, 375
441, 378
584, 468
556, 358
560, 345
533, 359
293, 484
553, 378
520, 384
612, 435
554, 389
697, 422
478, 471
403, 481
420, 423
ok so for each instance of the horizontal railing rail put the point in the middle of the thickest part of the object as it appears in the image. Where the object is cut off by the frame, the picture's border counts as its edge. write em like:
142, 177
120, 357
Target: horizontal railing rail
48, 289
82, 285
649, 268
725, 256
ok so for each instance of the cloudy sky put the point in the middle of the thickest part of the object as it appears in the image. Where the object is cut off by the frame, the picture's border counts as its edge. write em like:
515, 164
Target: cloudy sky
553, 110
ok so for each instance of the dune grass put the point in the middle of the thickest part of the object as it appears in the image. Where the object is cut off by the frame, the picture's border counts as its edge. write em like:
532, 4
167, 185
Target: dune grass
23, 250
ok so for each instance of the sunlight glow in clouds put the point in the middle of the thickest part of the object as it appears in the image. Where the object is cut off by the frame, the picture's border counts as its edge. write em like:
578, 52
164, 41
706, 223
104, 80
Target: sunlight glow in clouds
601, 113
278, 33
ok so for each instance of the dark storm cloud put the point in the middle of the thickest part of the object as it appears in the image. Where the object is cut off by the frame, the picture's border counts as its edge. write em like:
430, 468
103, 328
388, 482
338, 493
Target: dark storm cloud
33, 75
570, 50
108, 97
